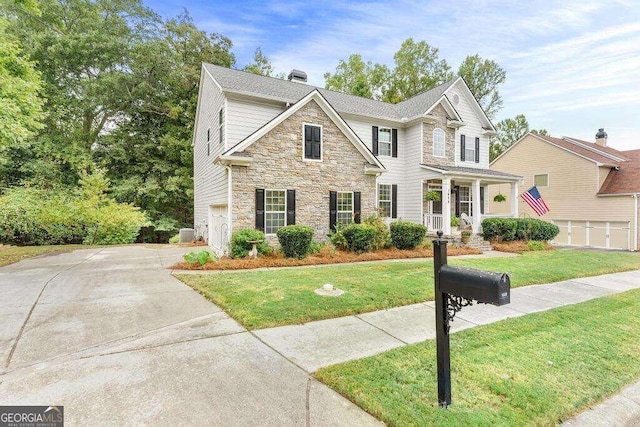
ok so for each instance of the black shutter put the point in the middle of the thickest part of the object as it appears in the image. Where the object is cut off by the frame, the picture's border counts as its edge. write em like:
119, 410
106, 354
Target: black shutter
308, 142
394, 201
356, 207
317, 141
291, 207
333, 210
394, 143
477, 150
374, 140
481, 200
462, 148
260, 209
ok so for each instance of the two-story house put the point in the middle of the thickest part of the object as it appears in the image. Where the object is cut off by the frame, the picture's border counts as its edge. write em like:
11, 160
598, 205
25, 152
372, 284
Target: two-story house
271, 152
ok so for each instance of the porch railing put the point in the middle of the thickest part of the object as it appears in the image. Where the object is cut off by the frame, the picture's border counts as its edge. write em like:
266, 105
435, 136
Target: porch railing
433, 222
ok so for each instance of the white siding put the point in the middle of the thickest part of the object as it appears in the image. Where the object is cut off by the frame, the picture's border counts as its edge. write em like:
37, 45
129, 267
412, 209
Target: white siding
210, 181
394, 165
413, 174
471, 129
245, 117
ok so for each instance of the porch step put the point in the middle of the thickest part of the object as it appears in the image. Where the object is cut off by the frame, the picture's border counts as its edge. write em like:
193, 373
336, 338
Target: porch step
477, 241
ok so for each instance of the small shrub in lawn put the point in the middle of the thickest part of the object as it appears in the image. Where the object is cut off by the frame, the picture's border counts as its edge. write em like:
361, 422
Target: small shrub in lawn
382, 239
201, 257
240, 245
359, 237
295, 240
407, 235
535, 245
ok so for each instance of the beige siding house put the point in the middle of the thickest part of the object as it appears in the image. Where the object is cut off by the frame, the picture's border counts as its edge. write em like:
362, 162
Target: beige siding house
271, 152
591, 189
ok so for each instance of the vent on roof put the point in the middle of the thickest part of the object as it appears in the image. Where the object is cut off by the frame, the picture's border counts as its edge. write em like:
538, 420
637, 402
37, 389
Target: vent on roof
297, 76
601, 137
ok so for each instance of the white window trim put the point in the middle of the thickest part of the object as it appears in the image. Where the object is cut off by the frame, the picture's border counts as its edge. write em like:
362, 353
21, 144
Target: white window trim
338, 211
390, 141
321, 143
538, 174
265, 209
466, 202
390, 200
466, 151
444, 143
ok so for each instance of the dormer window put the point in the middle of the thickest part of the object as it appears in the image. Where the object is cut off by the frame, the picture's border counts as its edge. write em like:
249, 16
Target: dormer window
312, 143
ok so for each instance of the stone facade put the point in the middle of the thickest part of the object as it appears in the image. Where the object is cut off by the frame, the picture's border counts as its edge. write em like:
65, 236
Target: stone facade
427, 138
278, 165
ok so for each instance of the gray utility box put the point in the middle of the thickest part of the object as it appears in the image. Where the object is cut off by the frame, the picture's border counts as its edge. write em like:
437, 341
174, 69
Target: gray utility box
187, 235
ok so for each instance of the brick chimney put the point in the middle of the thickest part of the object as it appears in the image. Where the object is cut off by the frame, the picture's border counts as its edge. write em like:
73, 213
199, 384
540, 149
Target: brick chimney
601, 137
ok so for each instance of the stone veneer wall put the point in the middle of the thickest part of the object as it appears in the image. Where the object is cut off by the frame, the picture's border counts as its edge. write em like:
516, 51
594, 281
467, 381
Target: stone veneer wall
450, 136
278, 165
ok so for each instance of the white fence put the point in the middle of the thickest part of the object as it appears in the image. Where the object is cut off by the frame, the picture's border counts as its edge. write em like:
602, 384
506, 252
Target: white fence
596, 234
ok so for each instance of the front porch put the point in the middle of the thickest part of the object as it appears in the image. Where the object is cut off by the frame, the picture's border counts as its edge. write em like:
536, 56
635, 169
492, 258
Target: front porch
462, 202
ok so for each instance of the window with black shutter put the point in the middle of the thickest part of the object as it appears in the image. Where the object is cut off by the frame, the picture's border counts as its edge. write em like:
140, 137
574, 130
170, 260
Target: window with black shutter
275, 209
312, 142
374, 139
394, 143
462, 148
477, 150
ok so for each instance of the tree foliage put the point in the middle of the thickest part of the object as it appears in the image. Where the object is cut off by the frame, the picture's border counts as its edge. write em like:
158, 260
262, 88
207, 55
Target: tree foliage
510, 130
262, 66
358, 78
484, 76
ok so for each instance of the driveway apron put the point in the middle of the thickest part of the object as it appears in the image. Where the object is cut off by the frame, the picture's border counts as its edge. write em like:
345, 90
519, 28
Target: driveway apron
114, 338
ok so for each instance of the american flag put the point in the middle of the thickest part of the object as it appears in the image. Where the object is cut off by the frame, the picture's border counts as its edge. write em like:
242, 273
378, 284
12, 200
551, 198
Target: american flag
534, 199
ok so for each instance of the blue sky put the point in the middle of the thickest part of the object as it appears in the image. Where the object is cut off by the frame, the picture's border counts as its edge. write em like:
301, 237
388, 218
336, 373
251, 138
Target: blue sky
572, 66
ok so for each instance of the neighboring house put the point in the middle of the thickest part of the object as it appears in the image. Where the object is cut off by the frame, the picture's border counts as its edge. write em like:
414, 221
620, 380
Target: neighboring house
270, 152
591, 189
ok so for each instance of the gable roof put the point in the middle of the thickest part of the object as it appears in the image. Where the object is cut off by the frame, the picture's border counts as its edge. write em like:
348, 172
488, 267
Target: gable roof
316, 96
249, 84
624, 174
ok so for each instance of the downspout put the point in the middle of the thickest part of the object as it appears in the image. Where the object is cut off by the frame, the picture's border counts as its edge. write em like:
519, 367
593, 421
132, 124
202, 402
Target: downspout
229, 201
635, 221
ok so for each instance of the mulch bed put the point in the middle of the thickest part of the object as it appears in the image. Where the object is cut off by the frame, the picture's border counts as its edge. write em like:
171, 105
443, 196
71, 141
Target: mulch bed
326, 256
517, 246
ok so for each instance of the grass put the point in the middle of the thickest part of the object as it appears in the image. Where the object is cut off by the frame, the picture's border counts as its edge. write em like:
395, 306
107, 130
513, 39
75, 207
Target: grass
11, 254
263, 299
538, 369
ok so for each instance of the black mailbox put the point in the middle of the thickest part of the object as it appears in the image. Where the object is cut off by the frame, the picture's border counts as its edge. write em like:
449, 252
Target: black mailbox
482, 286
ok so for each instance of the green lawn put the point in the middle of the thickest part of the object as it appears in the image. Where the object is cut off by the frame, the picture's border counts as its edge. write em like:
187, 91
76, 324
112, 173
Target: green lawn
538, 369
261, 299
9, 255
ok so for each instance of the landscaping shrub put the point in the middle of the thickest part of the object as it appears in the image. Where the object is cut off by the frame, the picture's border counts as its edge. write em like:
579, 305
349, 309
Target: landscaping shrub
239, 243
382, 238
535, 245
30, 216
508, 229
359, 237
175, 239
407, 235
295, 240
201, 257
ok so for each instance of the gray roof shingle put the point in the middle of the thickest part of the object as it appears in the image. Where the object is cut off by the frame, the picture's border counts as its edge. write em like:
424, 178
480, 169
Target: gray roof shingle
475, 171
284, 90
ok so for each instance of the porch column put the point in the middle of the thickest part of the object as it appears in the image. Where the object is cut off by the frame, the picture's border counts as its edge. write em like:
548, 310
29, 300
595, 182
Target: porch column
475, 200
514, 199
446, 206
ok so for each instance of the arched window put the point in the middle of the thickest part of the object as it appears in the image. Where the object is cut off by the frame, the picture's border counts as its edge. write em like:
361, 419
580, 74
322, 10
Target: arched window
438, 142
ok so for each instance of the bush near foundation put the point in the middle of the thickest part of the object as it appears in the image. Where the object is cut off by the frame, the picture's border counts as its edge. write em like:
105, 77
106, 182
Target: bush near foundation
509, 229
359, 237
240, 245
295, 240
407, 235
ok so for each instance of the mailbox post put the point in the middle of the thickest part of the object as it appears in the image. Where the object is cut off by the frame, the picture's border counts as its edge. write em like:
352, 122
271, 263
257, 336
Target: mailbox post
457, 287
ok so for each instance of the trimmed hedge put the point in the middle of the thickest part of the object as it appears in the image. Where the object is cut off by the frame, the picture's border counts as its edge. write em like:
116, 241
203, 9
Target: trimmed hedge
359, 237
508, 229
239, 243
407, 235
295, 240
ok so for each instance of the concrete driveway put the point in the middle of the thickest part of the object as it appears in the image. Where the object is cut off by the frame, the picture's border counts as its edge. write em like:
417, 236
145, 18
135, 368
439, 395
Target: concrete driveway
114, 338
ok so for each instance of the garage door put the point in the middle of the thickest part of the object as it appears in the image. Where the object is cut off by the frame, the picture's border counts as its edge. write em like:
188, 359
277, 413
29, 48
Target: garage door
594, 234
218, 229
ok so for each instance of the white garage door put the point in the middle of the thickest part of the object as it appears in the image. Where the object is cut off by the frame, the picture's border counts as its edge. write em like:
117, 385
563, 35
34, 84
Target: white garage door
595, 234
218, 229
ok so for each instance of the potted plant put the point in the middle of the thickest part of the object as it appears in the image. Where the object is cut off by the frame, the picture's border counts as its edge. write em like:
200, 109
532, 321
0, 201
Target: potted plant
432, 196
499, 198
464, 236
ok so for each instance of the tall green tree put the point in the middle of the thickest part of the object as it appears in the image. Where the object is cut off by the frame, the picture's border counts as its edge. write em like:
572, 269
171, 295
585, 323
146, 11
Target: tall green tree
510, 130
484, 76
262, 66
359, 78
417, 69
